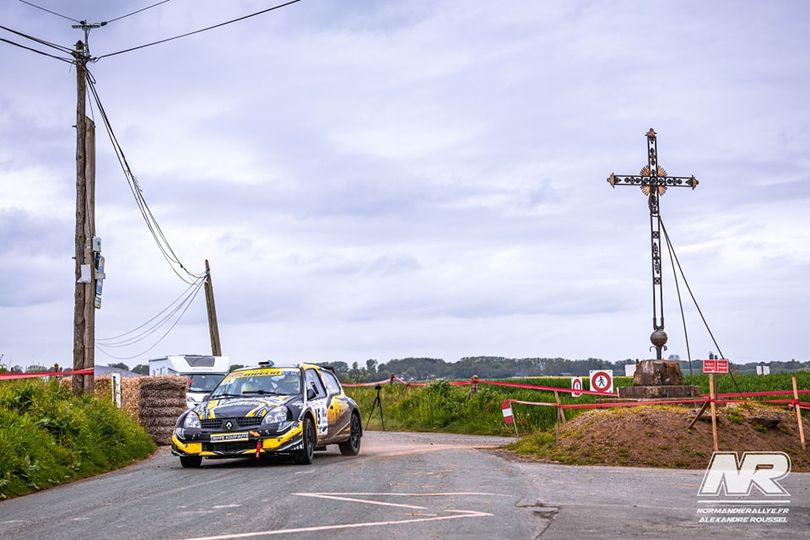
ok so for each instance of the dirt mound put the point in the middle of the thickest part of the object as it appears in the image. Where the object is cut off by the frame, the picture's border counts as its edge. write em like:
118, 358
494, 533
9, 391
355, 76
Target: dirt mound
657, 436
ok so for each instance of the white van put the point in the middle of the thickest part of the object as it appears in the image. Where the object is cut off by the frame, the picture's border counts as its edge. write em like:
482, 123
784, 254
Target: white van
203, 372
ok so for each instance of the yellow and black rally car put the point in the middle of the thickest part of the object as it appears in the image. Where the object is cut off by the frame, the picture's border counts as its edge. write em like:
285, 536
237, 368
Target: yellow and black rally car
270, 410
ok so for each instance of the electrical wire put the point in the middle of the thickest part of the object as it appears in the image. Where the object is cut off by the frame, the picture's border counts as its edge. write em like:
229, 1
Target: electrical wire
161, 338
49, 11
242, 18
151, 222
694, 300
41, 41
132, 340
137, 11
108, 341
43, 53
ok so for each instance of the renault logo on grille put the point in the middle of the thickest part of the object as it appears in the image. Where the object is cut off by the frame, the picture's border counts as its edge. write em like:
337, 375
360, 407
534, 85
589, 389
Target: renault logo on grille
228, 425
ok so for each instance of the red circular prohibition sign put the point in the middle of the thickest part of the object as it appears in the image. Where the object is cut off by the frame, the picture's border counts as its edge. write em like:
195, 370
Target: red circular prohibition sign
597, 378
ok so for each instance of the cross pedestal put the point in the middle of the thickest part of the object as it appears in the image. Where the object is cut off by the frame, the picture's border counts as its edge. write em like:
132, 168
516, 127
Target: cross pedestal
656, 379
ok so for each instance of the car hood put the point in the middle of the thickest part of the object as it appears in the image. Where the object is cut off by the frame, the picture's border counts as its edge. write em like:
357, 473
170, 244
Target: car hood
242, 406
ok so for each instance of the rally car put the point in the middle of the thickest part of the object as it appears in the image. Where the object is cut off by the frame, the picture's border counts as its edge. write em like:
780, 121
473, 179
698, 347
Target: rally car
270, 410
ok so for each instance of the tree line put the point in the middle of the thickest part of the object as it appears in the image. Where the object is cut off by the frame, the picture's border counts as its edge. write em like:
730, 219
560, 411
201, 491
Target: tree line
485, 367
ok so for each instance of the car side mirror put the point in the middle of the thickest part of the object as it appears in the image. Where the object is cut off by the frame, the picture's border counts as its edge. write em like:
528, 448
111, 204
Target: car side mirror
311, 394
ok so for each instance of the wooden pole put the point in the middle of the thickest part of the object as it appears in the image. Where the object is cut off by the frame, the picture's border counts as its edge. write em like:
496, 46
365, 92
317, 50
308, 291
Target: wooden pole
798, 412
81, 206
560, 412
698, 415
713, 411
89, 255
213, 324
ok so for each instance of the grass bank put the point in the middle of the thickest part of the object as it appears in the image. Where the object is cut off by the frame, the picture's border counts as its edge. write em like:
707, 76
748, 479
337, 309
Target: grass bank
50, 437
441, 407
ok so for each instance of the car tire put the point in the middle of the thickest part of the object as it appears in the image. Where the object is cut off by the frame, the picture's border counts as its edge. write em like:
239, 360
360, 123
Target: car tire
352, 446
307, 452
190, 462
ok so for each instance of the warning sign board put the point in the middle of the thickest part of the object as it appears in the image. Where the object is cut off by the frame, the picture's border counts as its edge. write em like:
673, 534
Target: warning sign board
718, 365
576, 384
506, 408
602, 380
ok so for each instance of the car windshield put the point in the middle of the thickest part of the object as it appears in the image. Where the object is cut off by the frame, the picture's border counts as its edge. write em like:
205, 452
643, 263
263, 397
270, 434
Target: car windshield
203, 383
261, 381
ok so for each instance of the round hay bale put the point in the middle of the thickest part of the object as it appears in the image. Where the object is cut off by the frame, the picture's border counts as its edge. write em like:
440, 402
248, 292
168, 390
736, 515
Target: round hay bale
159, 423
162, 401
161, 412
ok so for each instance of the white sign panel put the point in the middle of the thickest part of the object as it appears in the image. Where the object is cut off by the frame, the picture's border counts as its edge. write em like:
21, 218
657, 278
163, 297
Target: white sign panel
576, 384
602, 380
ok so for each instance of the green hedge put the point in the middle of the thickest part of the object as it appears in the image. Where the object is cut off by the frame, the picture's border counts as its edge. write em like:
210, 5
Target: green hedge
49, 437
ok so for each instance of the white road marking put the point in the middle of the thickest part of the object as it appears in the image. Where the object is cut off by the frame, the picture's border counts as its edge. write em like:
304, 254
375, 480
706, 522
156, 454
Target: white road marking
460, 514
351, 499
389, 494
217, 507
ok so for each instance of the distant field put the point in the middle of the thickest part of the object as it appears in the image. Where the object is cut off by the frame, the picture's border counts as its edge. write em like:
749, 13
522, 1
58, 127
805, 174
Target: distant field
441, 407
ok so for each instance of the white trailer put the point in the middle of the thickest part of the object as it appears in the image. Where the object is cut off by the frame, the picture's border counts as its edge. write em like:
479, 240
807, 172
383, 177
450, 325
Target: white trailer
203, 372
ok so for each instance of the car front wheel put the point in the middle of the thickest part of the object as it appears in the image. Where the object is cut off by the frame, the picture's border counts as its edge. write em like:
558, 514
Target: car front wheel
307, 452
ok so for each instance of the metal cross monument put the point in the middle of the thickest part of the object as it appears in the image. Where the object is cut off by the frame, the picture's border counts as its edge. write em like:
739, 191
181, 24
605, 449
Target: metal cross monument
653, 181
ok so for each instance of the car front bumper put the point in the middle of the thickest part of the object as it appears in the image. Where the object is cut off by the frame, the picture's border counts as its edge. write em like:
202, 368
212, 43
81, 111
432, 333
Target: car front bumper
258, 442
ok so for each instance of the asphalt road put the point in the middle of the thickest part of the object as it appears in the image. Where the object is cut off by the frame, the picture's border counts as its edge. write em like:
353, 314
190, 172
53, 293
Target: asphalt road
400, 486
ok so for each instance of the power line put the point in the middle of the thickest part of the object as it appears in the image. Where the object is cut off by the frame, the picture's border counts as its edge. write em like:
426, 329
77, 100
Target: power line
49, 11
154, 227
138, 11
273, 8
166, 333
109, 341
43, 53
38, 40
151, 329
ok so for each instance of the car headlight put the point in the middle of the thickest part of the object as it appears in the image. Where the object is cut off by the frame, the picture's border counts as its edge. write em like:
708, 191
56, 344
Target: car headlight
192, 421
275, 416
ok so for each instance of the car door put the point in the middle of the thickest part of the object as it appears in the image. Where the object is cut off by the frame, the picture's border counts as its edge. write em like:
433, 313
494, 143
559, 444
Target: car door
337, 408
318, 404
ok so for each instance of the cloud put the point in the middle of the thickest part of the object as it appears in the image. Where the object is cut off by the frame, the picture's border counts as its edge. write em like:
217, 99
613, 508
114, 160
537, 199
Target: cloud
386, 179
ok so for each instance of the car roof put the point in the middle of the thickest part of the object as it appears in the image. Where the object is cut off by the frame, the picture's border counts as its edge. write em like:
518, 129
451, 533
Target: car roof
285, 366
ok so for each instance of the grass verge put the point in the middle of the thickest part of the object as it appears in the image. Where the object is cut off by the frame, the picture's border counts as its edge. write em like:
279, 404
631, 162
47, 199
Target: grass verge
50, 437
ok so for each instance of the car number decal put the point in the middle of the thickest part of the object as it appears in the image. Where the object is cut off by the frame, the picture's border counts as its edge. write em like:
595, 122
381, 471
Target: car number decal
321, 418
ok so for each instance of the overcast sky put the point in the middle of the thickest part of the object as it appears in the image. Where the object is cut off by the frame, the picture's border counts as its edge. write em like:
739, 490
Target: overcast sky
381, 179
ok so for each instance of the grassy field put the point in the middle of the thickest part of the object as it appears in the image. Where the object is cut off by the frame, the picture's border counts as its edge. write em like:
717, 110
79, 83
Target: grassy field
49, 437
441, 407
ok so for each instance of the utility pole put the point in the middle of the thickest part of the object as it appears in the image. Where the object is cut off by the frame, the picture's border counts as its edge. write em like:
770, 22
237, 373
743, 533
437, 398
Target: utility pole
84, 292
213, 325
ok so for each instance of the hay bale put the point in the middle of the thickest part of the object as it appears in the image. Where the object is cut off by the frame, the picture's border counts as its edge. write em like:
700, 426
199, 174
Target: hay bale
160, 400
162, 412
159, 422
162, 437
102, 387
